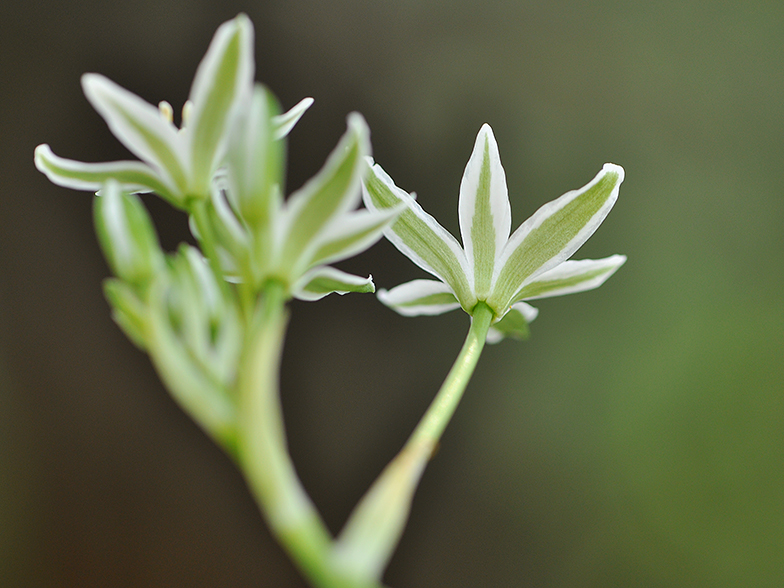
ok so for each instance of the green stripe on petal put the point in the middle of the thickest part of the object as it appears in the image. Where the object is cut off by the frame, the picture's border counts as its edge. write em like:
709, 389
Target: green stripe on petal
332, 192
485, 213
140, 127
223, 82
326, 280
420, 297
571, 277
554, 233
420, 237
353, 233
133, 176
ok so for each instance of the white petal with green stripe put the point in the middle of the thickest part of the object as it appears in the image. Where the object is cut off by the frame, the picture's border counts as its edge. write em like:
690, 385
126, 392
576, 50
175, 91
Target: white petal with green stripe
141, 128
324, 280
352, 233
420, 297
133, 176
485, 213
571, 277
333, 191
420, 237
554, 233
222, 85
283, 123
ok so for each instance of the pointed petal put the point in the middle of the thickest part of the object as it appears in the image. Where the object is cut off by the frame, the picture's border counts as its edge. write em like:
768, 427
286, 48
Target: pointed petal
133, 176
325, 280
255, 161
283, 123
485, 213
223, 83
570, 277
419, 236
554, 233
514, 323
420, 297
329, 194
353, 233
140, 127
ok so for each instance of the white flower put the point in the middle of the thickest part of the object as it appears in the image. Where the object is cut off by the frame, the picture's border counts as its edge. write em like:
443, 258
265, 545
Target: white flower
492, 266
177, 164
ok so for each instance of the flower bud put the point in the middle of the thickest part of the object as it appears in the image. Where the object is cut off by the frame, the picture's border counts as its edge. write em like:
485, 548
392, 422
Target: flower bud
127, 236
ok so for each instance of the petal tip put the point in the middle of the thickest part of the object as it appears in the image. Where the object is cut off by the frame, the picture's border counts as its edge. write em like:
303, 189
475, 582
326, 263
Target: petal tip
611, 168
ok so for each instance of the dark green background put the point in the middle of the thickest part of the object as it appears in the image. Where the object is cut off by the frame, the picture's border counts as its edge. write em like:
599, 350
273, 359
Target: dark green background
637, 440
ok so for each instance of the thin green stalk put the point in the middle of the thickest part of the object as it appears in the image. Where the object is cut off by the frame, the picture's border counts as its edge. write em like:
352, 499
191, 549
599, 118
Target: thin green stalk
369, 538
440, 411
264, 456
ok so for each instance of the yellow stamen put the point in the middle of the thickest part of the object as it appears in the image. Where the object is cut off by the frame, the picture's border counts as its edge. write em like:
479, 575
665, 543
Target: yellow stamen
166, 110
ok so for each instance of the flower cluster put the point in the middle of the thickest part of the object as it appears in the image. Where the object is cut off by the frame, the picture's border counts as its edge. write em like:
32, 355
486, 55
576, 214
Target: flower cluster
224, 167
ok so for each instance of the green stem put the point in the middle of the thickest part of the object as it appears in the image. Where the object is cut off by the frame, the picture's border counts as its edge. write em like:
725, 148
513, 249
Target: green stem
440, 411
263, 451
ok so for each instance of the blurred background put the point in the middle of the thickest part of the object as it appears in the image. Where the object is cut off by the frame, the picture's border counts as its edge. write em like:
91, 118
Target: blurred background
637, 439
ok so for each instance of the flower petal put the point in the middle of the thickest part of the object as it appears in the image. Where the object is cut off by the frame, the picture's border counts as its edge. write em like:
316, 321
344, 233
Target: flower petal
554, 233
133, 176
283, 123
485, 213
570, 277
352, 233
514, 323
140, 127
331, 192
223, 83
255, 161
419, 236
325, 280
420, 297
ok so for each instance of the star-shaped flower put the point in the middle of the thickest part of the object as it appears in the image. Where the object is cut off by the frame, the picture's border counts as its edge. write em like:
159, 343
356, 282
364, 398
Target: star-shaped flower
178, 164
492, 266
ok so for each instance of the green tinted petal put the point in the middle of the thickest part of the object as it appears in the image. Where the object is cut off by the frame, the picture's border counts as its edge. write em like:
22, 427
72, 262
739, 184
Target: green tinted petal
133, 176
283, 123
554, 233
223, 84
420, 297
328, 195
419, 236
321, 281
570, 277
141, 128
485, 213
352, 233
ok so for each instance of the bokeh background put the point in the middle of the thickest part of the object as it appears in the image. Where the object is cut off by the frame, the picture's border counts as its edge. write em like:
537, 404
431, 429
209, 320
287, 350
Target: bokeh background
637, 439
